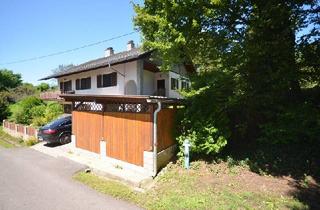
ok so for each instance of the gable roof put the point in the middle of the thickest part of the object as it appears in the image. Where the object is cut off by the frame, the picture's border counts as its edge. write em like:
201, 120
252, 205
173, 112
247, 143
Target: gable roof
117, 58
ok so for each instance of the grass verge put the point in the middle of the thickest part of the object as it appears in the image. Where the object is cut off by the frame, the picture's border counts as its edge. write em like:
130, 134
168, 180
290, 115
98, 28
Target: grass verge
5, 144
8, 141
193, 189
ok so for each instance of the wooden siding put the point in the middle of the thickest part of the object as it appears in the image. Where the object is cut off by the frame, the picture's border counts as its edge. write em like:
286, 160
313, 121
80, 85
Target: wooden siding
128, 135
166, 120
87, 128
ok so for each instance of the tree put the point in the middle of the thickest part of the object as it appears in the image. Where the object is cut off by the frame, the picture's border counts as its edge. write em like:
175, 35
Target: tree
22, 91
253, 45
43, 87
9, 80
4, 103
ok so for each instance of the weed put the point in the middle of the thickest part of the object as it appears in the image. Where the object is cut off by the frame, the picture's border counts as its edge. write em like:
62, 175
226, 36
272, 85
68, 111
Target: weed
118, 167
31, 141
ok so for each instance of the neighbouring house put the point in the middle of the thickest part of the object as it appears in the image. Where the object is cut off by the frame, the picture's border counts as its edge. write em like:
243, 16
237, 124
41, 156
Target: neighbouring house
123, 107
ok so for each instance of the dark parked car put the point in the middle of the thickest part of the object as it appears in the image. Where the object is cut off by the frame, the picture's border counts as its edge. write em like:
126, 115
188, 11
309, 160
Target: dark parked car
56, 131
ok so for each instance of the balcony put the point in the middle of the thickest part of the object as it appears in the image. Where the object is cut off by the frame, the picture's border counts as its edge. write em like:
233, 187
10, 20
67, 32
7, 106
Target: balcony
54, 95
160, 92
51, 95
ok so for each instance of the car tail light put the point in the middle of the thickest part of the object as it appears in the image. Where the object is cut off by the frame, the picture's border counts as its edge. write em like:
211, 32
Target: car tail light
50, 131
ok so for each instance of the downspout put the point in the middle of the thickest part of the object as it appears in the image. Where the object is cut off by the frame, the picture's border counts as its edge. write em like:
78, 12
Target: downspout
155, 138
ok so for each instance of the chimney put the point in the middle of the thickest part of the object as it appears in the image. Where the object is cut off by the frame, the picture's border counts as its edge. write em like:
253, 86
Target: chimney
130, 45
109, 51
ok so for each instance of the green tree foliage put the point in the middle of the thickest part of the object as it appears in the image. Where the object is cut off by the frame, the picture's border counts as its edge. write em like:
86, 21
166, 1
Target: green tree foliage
32, 110
205, 121
22, 91
4, 103
265, 52
21, 111
43, 114
43, 87
9, 80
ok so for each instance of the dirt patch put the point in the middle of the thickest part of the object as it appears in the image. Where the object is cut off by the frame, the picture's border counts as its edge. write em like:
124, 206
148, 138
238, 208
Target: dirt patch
237, 178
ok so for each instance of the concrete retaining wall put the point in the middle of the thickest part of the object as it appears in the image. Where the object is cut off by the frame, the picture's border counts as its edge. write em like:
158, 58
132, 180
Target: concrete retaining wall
163, 158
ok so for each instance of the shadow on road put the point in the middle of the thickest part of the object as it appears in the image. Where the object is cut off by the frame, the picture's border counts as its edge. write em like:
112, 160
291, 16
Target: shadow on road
52, 145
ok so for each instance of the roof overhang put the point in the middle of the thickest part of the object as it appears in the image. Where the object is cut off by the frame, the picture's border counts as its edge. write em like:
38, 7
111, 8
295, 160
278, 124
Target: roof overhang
106, 64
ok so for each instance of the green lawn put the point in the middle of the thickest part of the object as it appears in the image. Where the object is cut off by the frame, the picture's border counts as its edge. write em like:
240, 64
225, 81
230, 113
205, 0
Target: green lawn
204, 187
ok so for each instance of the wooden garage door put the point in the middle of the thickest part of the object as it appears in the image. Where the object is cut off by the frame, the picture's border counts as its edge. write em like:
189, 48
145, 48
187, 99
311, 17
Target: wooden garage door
127, 135
87, 128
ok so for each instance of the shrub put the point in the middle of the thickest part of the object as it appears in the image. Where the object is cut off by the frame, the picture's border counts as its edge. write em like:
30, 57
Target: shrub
38, 113
294, 124
43, 114
21, 111
31, 141
32, 110
204, 120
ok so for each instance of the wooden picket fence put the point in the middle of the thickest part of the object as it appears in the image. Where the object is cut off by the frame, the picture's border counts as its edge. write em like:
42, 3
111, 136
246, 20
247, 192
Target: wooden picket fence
21, 131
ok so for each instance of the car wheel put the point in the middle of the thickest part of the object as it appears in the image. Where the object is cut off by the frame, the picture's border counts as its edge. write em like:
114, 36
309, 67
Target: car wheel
65, 138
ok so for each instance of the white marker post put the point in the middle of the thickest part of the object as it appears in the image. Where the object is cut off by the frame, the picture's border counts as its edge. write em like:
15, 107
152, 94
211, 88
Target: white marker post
186, 145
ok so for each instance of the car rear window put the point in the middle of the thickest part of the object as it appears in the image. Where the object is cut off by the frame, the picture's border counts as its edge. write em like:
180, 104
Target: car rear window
59, 121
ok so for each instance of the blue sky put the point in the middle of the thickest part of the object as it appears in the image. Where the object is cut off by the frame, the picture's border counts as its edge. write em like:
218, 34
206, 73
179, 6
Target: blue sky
39, 27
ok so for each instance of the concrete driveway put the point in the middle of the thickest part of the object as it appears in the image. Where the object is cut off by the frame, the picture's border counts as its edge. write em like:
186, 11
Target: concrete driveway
32, 180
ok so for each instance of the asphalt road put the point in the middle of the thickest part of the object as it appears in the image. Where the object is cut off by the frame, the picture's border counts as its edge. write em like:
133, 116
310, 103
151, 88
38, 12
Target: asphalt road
34, 181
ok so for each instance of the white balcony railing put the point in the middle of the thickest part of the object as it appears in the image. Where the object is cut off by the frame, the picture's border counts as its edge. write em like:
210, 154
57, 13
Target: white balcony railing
51, 95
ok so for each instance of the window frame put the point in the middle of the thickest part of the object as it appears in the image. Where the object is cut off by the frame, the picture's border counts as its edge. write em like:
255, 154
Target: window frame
63, 85
174, 83
185, 85
107, 80
83, 83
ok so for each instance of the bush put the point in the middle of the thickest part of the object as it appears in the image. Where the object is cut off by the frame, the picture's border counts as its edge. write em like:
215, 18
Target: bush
21, 111
204, 138
31, 141
38, 113
295, 124
41, 115
32, 110
205, 121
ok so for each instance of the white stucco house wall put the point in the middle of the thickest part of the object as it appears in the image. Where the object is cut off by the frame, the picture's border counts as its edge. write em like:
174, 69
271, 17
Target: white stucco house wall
125, 73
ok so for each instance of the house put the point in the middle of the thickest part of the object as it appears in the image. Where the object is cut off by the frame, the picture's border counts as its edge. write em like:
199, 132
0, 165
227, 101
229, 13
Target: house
123, 107
125, 73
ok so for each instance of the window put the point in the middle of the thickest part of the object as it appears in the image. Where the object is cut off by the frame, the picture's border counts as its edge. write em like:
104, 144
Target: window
184, 84
78, 84
107, 80
174, 84
83, 84
66, 86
